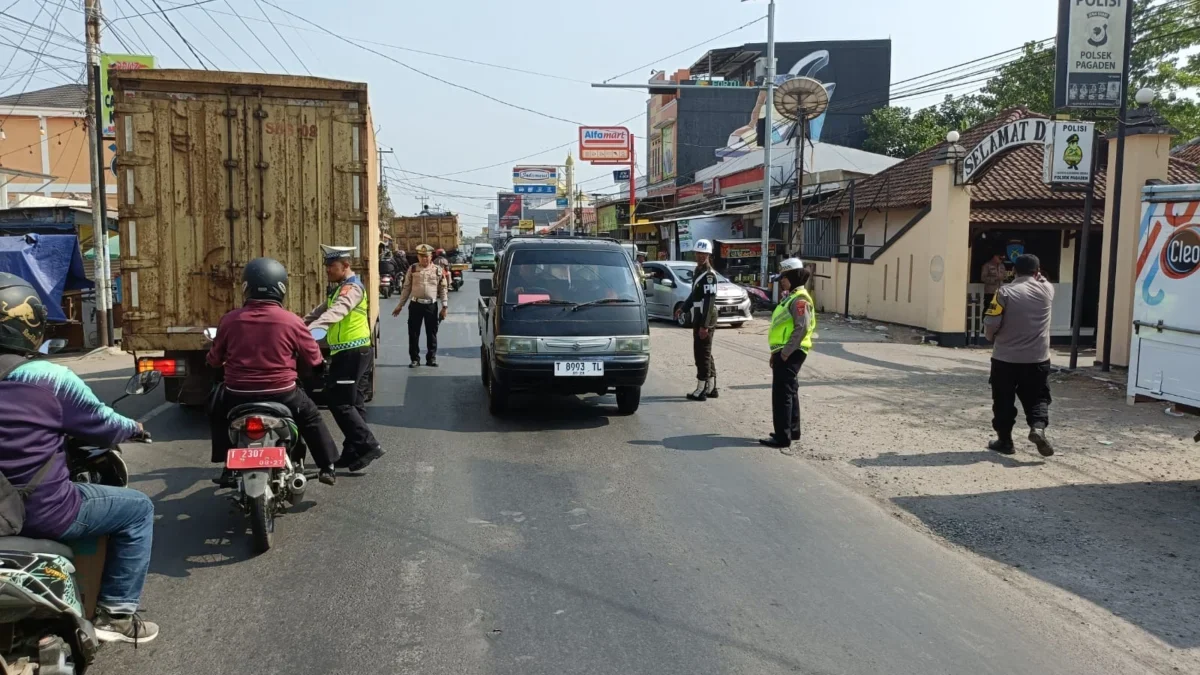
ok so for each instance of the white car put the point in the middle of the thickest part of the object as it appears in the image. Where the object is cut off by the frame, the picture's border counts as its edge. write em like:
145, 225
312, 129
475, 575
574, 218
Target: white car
668, 285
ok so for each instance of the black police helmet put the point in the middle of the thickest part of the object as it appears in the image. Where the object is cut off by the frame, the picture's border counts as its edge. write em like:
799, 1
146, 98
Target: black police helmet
264, 279
22, 316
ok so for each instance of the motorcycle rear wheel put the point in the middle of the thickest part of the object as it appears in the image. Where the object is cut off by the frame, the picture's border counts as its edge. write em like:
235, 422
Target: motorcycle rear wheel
262, 523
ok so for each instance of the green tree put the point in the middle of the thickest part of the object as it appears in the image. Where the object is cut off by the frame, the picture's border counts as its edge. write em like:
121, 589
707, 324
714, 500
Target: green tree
1166, 33
386, 212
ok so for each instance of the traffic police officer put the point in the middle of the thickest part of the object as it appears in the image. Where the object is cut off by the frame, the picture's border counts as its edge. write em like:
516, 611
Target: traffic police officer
344, 315
702, 304
793, 325
425, 285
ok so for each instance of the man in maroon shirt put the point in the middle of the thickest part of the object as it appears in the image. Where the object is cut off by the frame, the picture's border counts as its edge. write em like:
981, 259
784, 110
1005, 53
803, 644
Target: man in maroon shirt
258, 346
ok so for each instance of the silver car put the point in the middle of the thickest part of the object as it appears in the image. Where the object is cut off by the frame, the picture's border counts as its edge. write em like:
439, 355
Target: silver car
668, 285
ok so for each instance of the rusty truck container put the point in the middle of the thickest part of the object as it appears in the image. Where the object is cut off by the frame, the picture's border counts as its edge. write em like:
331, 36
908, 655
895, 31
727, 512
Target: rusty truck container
439, 231
215, 169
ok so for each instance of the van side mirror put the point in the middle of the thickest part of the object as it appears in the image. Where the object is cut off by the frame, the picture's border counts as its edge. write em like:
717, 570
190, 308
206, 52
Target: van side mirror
487, 289
669, 283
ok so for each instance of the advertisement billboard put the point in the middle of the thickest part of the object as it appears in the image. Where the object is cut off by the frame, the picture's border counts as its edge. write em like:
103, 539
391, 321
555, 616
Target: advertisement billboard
508, 208
856, 75
117, 62
606, 144
535, 180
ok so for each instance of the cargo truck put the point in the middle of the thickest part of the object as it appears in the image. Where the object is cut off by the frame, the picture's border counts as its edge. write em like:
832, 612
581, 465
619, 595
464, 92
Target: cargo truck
1164, 353
439, 230
215, 169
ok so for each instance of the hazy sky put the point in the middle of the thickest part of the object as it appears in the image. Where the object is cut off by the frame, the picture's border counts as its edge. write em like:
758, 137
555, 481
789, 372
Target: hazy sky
436, 129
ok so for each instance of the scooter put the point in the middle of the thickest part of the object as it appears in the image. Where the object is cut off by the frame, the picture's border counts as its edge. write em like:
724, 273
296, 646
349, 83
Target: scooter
267, 460
42, 625
456, 279
385, 285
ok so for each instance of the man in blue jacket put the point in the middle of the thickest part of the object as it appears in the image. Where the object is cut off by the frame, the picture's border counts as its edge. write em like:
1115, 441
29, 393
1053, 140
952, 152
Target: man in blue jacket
43, 403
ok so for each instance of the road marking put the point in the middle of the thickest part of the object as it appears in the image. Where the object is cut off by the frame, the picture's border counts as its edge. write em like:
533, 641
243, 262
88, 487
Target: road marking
162, 407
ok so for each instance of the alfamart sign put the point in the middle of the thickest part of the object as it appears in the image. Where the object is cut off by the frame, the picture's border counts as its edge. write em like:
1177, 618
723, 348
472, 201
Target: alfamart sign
1007, 137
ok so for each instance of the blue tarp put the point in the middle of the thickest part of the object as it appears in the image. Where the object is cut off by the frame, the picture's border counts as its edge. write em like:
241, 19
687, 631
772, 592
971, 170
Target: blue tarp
49, 262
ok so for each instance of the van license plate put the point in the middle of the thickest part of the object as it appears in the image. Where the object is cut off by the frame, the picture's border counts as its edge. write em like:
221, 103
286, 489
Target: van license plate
578, 368
256, 458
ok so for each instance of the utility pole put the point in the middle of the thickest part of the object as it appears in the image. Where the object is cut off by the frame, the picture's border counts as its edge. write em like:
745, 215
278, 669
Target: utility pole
571, 193
102, 273
768, 128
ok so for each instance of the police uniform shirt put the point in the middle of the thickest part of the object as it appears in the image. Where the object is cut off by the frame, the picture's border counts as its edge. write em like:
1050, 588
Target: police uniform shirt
426, 284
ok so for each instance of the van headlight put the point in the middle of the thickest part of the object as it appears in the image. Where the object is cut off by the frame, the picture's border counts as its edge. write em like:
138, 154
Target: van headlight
515, 345
634, 345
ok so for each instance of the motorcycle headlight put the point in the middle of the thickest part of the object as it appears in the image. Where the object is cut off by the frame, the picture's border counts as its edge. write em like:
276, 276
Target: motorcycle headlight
634, 345
515, 345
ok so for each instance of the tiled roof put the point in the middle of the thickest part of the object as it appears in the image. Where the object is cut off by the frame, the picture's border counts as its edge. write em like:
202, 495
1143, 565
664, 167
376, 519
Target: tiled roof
1037, 215
1014, 180
68, 96
1188, 152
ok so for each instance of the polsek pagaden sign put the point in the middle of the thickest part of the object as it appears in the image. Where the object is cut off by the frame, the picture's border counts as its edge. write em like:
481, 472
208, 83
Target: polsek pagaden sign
1090, 53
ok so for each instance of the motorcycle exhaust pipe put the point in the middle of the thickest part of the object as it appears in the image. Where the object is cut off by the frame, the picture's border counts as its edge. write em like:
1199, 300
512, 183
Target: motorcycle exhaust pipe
298, 483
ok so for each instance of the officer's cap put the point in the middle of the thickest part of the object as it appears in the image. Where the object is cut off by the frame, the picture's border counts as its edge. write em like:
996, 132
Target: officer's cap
335, 253
424, 249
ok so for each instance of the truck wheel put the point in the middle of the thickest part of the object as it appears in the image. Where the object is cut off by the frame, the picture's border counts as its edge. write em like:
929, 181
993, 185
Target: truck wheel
497, 397
483, 366
172, 387
628, 399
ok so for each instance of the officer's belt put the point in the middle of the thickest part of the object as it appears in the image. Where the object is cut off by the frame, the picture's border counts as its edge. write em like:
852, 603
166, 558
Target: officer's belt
423, 301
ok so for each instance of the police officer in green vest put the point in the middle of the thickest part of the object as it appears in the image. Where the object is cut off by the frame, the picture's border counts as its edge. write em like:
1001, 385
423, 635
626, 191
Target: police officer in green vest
793, 326
344, 315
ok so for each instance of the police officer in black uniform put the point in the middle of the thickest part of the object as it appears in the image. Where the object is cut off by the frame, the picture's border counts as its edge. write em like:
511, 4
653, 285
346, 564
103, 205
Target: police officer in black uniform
702, 306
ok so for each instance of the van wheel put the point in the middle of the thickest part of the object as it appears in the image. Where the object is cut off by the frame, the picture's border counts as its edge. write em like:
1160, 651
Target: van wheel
628, 399
681, 317
739, 324
497, 397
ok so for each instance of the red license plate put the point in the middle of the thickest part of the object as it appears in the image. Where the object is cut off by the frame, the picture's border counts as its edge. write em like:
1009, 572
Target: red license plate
256, 458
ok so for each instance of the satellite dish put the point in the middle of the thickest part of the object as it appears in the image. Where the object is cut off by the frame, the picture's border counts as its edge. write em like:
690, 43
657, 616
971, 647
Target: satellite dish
801, 98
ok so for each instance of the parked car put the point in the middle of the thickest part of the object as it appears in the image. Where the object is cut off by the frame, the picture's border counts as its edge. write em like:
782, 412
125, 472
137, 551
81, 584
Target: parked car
565, 316
668, 285
483, 257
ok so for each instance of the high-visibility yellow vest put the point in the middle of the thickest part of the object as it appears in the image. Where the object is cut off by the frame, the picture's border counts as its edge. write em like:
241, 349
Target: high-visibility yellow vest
354, 330
782, 324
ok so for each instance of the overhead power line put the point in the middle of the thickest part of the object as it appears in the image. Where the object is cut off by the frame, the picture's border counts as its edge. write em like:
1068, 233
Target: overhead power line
281, 37
687, 49
185, 40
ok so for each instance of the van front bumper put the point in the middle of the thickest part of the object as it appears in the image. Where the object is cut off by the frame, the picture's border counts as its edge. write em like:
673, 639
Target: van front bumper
526, 372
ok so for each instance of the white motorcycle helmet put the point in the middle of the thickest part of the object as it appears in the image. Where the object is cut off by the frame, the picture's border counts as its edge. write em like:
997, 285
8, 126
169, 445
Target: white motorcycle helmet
703, 246
791, 264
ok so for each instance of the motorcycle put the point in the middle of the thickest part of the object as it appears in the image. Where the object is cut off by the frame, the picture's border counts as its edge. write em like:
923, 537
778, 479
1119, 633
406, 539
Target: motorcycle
43, 629
456, 279
267, 460
385, 286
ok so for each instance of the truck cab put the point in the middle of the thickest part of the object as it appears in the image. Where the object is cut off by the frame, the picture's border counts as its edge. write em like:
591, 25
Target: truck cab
565, 316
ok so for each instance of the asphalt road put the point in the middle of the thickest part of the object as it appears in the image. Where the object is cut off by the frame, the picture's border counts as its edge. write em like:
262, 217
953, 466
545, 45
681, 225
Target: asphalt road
563, 539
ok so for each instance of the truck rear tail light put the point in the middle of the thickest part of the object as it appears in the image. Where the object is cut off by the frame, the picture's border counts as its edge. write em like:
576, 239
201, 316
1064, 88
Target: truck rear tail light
168, 367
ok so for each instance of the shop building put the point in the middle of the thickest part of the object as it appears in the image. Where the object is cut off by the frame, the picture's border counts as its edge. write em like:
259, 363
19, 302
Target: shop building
910, 242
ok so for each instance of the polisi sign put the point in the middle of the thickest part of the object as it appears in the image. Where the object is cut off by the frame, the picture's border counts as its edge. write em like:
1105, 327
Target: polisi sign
605, 144
1181, 253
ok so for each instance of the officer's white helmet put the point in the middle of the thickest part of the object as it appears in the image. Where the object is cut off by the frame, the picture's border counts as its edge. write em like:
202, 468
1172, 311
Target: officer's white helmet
703, 246
790, 264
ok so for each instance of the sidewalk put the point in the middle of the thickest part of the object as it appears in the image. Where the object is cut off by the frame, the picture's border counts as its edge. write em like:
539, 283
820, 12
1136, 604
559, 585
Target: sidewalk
1108, 529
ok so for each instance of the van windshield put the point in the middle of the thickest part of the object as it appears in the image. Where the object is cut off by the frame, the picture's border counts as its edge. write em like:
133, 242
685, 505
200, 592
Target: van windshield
483, 252
569, 277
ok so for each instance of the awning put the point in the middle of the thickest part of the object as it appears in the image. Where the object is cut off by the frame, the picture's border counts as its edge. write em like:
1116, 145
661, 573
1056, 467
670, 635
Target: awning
49, 262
